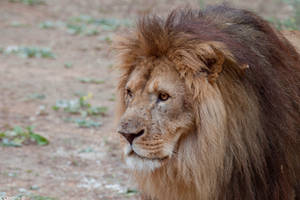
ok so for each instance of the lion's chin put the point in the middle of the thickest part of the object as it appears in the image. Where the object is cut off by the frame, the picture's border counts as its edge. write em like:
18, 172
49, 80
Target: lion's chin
137, 162
134, 162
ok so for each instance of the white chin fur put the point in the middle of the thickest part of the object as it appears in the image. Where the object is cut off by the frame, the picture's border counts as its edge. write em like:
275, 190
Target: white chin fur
135, 163
139, 164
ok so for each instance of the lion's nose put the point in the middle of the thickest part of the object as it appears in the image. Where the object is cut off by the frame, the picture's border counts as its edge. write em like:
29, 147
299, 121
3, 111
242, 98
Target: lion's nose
131, 136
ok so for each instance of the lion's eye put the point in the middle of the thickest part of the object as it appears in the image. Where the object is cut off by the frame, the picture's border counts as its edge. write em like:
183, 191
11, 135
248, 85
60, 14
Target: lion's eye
129, 93
163, 96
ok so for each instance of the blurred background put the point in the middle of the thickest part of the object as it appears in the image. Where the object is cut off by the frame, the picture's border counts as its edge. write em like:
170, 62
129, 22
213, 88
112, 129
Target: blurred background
57, 97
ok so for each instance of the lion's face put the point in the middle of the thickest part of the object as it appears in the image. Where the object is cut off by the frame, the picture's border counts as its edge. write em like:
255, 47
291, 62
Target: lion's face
157, 113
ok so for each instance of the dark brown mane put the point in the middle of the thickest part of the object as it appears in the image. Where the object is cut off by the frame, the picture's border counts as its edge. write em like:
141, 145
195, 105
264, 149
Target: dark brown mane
273, 75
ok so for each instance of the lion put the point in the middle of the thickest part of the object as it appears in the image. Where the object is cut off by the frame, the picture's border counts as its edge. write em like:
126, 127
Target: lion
209, 107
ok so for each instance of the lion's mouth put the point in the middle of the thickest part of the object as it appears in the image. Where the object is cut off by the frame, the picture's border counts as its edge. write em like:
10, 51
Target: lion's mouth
134, 154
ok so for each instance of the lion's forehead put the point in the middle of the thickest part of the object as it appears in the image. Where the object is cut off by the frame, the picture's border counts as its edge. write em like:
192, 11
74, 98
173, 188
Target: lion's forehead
138, 78
159, 77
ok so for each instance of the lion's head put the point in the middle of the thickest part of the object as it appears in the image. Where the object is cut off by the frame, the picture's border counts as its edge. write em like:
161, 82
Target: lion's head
158, 112
204, 106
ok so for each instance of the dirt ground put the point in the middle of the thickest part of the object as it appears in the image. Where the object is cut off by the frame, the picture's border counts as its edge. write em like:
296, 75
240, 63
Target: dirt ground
79, 163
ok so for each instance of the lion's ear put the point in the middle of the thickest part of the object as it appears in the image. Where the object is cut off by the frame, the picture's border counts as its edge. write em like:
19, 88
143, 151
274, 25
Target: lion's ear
213, 60
214, 55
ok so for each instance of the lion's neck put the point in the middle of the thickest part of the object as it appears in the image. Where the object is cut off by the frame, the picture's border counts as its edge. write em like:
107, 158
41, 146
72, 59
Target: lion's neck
166, 183
178, 179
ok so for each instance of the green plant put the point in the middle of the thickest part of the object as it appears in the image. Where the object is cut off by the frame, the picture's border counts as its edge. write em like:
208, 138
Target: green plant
86, 123
85, 19
30, 2
38, 197
51, 24
106, 39
92, 32
75, 29
29, 52
79, 106
111, 24
18, 136
35, 96
47, 25
289, 24
296, 5
87, 25
68, 65
201, 3
82, 107
18, 24
87, 150
91, 80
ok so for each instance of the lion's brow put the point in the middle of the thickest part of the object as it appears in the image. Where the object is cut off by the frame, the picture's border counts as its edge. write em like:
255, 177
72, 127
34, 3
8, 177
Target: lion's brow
138, 79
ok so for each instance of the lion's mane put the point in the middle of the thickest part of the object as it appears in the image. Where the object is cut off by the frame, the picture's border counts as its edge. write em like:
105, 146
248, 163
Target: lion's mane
246, 143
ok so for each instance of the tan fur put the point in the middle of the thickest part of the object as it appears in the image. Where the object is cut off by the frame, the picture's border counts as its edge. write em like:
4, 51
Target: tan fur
209, 140
293, 37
